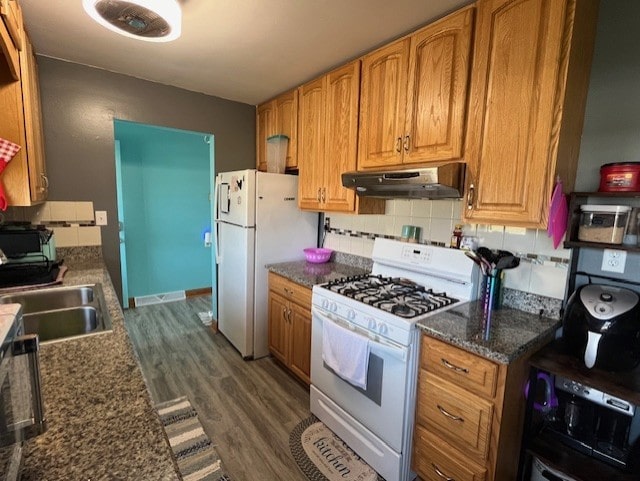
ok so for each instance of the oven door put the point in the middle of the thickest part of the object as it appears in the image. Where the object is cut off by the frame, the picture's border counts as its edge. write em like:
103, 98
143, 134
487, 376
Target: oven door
381, 408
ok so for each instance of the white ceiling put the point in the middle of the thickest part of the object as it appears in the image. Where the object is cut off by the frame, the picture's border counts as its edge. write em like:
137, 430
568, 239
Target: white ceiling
243, 50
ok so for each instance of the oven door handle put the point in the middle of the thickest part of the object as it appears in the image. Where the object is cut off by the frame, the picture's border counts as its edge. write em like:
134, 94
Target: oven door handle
394, 349
29, 345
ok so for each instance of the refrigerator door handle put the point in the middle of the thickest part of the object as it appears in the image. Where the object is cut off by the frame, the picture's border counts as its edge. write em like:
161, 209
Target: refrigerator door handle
216, 236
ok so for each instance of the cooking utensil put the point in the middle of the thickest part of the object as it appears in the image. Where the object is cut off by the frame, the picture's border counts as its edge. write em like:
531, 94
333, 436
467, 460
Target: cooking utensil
507, 262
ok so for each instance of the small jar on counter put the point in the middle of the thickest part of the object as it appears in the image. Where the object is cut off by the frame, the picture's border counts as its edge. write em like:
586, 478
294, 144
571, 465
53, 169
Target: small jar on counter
456, 237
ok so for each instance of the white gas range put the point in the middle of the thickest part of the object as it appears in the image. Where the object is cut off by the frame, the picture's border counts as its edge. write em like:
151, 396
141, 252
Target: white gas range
373, 409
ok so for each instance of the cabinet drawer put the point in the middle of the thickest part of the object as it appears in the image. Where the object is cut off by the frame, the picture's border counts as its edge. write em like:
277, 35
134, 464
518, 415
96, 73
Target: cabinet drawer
435, 460
290, 290
460, 367
461, 418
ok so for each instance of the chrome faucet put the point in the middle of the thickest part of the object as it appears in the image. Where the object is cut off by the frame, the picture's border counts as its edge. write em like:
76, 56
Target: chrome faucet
3, 258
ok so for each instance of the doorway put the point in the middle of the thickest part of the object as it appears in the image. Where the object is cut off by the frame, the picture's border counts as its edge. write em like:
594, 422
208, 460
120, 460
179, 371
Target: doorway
164, 182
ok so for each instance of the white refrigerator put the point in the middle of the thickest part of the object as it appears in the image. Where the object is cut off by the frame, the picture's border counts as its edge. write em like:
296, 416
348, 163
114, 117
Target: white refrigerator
257, 223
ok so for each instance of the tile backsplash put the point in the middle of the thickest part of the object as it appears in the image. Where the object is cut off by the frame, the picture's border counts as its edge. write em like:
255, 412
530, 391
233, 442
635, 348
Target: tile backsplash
543, 270
73, 223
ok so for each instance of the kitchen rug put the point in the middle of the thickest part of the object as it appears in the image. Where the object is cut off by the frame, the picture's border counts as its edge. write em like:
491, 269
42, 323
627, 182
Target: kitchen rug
196, 457
323, 456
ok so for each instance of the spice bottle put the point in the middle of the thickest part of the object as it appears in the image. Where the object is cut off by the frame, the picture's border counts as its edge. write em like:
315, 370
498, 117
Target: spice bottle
456, 237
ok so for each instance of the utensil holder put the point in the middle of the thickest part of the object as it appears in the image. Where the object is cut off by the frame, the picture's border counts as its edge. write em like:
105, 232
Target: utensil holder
492, 291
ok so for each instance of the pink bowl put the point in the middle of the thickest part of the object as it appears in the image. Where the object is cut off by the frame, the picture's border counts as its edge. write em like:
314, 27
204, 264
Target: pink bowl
317, 255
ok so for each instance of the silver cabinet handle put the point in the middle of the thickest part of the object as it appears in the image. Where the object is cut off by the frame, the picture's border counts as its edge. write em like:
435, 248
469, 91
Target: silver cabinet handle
406, 143
440, 473
448, 414
453, 367
284, 314
399, 144
470, 196
289, 315
324, 192
319, 192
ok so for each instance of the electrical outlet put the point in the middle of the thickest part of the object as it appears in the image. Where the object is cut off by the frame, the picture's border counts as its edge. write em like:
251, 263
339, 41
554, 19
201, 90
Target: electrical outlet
101, 217
613, 260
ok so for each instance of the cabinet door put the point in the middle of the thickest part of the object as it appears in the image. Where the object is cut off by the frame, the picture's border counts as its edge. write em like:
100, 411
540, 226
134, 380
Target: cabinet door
287, 124
38, 183
382, 106
279, 328
437, 93
519, 51
461, 418
265, 127
435, 460
342, 88
311, 126
300, 358
11, 35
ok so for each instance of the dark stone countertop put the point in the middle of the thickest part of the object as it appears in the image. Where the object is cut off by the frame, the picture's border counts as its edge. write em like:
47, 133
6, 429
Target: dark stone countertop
511, 333
308, 274
101, 422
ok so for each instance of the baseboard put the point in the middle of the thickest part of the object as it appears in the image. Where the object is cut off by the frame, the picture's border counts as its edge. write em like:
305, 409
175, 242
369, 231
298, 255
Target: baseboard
203, 291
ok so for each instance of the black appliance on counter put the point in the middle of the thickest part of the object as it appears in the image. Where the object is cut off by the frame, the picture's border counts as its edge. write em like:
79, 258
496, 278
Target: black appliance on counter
601, 325
595, 423
30, 253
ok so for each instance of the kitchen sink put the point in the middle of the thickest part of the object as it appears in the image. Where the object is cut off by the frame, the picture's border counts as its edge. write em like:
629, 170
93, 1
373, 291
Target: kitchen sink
62, 312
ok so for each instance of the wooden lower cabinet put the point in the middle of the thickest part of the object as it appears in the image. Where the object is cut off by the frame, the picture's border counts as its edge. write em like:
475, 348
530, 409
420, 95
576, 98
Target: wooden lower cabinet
469, 415
290, 325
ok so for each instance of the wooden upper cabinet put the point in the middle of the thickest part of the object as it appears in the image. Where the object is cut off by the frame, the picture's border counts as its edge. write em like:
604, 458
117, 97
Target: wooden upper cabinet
528, 89
437, 93
278, 116
311, 115
11, 35
327, 143
24, 179
265, 128
382, 105
414, 96
38, 181
287, 124
341, 133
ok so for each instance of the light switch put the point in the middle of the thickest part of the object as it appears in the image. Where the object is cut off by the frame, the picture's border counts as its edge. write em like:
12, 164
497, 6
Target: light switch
101, 217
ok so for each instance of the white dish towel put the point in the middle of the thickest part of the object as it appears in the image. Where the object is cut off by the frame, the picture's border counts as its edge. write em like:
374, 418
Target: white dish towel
346, 352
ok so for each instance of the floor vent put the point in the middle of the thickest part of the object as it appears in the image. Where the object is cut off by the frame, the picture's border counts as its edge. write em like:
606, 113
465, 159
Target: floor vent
160, 298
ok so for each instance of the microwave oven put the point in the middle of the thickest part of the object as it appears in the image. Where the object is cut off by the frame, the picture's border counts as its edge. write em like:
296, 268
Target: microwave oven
21, 406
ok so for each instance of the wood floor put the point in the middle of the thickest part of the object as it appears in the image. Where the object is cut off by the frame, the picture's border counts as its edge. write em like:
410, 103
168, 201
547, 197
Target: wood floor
248, 408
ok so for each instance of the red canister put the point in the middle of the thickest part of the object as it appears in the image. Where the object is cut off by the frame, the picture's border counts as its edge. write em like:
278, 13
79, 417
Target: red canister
620, 177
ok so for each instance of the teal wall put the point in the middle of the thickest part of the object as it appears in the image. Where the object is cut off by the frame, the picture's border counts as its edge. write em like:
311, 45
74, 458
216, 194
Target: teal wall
166, 188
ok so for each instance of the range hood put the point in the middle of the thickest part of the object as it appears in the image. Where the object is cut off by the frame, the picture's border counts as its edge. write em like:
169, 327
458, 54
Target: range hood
441, 182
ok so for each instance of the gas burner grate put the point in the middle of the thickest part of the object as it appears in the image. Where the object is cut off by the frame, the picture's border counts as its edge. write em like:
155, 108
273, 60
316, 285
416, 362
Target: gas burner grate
401, 297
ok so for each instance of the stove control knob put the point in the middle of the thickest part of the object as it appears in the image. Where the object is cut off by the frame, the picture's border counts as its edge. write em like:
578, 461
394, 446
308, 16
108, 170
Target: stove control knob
333, 307
371, 324
351, 314
325, 304
383, 329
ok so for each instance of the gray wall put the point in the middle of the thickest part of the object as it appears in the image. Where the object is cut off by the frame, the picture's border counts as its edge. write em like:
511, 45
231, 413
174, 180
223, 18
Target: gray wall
79, 104
612, 118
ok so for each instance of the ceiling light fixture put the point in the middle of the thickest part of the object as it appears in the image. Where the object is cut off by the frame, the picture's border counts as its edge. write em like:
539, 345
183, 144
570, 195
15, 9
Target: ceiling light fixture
150, 20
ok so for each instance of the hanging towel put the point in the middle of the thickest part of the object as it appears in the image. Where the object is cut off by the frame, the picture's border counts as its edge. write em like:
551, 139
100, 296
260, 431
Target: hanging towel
558, 215
346, 352
7, 151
